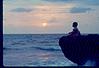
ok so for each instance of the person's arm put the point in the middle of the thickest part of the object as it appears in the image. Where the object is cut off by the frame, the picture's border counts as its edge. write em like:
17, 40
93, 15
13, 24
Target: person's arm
70, 33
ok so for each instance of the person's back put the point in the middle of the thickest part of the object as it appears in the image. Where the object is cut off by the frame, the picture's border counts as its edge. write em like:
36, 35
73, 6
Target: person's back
75, 31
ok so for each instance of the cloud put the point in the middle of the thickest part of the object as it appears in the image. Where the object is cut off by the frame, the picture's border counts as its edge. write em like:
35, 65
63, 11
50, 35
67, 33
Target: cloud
87, 2
21, 10
79, 10
57, 0
91, 2
7, 0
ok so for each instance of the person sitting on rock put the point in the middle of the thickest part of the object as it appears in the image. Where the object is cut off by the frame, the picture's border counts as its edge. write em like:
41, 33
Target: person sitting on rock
75, 31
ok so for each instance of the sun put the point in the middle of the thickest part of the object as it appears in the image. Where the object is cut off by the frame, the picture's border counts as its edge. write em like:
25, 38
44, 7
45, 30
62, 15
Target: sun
44, 24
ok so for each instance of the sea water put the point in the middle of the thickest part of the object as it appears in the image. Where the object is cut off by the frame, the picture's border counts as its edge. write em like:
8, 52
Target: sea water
33, 50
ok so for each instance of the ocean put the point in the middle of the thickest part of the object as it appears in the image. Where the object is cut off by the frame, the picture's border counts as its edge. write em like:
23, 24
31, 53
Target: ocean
33, 50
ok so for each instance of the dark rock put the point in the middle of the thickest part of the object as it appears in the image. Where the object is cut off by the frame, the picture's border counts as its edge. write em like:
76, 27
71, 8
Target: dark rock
81, 48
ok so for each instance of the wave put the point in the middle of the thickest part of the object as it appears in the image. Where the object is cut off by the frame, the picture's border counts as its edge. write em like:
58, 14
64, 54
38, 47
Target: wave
10, 48
18, 43
47, 49
31, 48
46, 41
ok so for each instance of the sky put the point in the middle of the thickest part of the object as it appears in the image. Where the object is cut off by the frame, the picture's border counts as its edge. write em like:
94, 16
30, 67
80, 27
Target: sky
50, 16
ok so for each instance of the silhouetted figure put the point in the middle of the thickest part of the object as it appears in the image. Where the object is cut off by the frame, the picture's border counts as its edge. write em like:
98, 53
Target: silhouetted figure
75, 31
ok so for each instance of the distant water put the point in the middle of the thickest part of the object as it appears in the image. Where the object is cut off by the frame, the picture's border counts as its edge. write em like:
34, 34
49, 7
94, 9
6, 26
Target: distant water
33, 50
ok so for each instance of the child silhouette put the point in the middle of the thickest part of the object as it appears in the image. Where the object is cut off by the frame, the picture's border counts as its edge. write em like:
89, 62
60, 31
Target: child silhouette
75, 31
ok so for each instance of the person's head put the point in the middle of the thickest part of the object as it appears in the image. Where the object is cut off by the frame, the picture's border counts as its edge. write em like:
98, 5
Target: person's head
75, 24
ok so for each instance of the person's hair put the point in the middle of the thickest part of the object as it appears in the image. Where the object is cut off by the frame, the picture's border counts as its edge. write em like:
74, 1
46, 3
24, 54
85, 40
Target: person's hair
75, 24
